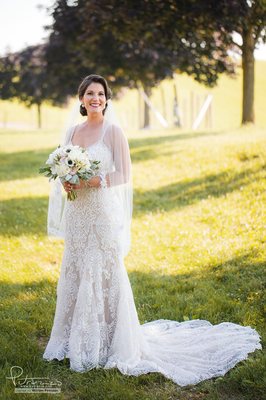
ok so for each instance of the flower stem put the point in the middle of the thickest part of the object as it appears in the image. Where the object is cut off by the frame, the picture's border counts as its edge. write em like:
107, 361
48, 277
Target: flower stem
72, 195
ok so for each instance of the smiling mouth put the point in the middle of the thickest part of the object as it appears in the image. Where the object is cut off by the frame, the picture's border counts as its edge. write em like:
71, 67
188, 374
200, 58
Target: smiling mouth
94, 105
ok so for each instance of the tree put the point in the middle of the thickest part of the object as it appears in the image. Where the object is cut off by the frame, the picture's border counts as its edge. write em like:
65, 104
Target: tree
214, 24
23, 75
196, 33
220, 19
132, 44
8, 77
251, 26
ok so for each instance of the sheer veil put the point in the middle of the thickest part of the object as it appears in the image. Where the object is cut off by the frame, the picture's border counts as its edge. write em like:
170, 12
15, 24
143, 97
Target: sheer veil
120, 178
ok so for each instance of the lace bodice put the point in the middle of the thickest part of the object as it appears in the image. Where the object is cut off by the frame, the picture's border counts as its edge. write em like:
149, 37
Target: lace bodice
96, 206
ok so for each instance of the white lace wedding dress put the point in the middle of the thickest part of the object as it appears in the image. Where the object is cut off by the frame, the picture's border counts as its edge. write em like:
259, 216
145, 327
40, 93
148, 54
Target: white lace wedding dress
96, 323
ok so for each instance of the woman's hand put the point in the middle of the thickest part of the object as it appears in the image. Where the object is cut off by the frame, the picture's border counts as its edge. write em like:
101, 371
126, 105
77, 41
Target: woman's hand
94, 182
67, 186
81, 185
70, 186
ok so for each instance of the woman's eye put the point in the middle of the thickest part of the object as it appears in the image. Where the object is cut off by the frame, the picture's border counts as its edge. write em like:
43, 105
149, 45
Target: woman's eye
91, 94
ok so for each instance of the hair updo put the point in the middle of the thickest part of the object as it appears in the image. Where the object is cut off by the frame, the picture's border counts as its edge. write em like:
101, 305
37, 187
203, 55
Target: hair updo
86, 82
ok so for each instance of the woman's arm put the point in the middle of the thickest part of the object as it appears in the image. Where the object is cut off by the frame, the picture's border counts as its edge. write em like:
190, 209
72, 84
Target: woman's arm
118, 145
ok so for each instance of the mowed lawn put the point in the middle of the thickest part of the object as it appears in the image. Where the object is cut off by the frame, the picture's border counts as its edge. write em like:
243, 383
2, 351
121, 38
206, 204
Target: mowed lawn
198, 252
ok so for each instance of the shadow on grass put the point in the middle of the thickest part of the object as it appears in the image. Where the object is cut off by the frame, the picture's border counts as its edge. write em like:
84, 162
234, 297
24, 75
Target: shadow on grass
26, 164
29, 215
26, 215
213, 295
218, 292
22, 164
148, 148
189, 192
163, 139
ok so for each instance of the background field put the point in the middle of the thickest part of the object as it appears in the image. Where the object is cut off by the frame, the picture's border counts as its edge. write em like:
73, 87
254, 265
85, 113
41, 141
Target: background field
226, 107
198, 251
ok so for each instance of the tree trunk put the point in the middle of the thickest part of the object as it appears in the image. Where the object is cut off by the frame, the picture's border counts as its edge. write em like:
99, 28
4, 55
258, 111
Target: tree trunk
248, 64
177, 119
163, 103
39, 116
146, 123
140, 101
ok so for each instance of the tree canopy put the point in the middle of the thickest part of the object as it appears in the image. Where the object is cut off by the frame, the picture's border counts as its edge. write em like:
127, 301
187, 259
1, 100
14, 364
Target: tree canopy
133, 43
24, 75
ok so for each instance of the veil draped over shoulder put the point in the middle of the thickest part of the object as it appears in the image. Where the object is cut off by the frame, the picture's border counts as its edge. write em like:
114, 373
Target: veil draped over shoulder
120, 180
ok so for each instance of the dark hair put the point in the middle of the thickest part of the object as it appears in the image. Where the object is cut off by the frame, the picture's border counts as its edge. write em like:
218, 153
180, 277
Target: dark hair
86, 82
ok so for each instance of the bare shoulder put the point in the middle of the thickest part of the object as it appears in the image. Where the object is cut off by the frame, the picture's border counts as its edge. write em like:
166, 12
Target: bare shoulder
79, 127
114, 129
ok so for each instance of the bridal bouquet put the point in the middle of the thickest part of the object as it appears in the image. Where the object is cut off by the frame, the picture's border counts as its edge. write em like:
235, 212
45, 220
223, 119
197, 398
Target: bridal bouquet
70, 163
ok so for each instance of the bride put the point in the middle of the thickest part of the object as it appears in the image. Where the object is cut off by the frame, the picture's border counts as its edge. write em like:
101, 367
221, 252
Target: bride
96, 322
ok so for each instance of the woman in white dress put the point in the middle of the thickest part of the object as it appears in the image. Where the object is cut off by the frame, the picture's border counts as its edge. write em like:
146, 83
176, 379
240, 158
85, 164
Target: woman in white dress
96, 322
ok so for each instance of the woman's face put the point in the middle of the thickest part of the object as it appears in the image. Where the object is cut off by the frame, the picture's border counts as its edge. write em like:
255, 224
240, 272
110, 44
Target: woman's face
94, 98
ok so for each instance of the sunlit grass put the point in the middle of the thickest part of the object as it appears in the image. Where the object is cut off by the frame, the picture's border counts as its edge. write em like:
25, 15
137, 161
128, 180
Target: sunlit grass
198, 251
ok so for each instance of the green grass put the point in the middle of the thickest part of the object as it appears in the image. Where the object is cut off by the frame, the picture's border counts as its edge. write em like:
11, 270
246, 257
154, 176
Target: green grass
198, 251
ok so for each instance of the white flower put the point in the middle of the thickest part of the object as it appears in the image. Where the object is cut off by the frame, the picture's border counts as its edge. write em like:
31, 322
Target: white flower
53, 169
62, 170
50, 160
75, 155
59, 152
73, 160
88, 165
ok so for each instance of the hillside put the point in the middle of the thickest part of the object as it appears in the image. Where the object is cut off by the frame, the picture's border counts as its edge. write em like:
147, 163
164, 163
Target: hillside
198, 252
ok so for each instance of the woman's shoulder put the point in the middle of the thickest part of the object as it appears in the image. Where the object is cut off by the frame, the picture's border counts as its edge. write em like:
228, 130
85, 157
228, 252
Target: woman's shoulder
114, 136
113, 128
77, 127
71, 128
74, 129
